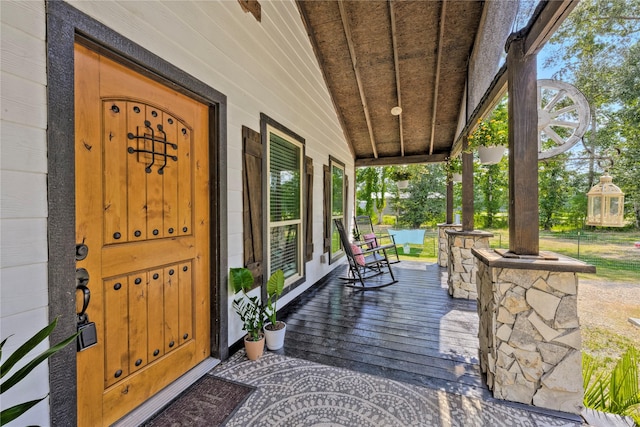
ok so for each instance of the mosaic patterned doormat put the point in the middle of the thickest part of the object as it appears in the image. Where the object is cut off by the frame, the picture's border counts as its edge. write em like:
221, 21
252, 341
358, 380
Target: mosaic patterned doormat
295, 392
208, 402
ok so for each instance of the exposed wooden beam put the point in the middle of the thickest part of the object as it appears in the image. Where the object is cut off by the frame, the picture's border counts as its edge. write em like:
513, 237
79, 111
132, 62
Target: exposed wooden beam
401, 160
545, 21
468, 223
321, 63
523, 151
436, 83
354, 61
489, 100
394, 40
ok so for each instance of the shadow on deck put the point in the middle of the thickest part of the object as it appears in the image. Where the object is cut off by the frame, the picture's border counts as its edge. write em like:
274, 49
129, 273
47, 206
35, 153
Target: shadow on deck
412, 331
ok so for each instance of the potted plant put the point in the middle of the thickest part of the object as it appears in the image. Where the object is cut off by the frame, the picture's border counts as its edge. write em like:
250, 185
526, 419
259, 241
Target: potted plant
491, 137
274, 330
401, 176
454, 168
18, 358
250, 311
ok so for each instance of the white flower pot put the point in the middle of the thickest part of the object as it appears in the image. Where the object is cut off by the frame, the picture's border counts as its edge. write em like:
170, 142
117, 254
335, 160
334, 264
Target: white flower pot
403, 184
491, 155
456, 177
275, 338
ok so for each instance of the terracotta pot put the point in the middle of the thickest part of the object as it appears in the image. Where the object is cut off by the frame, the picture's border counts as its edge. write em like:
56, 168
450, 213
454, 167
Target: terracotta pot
275, 337
254, 349
491, 155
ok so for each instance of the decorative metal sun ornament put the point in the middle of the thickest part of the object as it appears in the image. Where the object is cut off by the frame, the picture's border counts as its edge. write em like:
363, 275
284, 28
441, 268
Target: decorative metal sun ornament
563, 117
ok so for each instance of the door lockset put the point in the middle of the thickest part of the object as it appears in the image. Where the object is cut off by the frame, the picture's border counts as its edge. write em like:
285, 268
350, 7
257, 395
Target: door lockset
82, 251
88, 335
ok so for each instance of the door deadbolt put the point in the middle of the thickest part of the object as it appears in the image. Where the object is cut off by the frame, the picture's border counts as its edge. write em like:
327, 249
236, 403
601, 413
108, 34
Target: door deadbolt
82, 251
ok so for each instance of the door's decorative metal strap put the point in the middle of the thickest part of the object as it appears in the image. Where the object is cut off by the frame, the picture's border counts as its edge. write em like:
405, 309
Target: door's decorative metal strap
160, 139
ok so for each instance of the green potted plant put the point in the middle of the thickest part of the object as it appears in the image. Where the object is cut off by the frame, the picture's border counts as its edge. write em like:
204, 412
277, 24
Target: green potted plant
491, 137
250, 311
274, 330
453, 168
17, 358
401, 176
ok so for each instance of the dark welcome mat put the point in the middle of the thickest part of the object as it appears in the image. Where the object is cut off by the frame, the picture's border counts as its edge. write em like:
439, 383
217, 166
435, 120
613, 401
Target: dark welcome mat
208, 402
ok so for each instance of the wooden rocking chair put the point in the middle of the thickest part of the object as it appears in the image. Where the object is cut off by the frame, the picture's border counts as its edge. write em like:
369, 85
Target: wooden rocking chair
364, 263
364, 227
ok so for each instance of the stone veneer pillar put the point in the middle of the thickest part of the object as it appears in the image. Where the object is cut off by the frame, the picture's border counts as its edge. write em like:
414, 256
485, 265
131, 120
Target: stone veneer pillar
443, 242
461, 264
529, 337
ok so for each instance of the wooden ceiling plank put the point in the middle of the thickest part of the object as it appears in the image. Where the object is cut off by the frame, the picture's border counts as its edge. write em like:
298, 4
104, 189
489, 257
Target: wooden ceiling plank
394, 40
323, 68
354, 62
436, 84
401, 160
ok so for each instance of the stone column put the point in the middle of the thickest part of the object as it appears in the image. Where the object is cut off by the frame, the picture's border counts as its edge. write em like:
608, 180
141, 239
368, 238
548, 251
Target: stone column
443, 242
529, 337
461, 262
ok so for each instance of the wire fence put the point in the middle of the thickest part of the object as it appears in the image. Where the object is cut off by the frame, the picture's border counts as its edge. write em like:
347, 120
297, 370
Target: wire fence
614, 251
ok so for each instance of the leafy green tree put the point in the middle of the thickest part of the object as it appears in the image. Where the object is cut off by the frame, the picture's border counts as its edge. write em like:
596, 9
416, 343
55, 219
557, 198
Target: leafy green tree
627, 166
491, 188
424, 200
597, 50
366, 183
553, 194
371, 188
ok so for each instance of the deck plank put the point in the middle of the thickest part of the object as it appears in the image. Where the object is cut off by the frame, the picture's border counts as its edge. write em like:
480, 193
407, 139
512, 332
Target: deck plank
412, 331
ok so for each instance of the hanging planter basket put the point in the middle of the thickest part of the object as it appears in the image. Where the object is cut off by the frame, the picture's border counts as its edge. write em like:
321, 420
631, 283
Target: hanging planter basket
456, 177
403, 184
491, 155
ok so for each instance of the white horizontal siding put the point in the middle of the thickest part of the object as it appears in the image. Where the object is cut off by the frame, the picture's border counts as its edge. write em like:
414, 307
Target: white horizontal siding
23, 54
23, 194
23, 288
23, 101
266, 67
23, 148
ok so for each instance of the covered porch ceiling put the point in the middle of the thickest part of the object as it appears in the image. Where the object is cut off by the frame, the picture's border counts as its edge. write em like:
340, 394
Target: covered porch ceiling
437, 60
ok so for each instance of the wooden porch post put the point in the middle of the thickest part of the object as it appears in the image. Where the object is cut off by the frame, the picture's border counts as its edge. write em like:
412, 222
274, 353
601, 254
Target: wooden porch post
449, 199
523, 150
467, 189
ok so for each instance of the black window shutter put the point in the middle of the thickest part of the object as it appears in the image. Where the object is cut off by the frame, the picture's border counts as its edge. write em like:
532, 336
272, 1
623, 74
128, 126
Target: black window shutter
308, 162
327, 208
252, 202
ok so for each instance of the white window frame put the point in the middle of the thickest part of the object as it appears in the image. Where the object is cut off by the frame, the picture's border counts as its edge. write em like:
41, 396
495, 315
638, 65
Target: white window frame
300, 221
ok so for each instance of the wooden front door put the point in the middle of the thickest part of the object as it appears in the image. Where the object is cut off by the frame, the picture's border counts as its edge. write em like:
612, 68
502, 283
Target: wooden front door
142, 210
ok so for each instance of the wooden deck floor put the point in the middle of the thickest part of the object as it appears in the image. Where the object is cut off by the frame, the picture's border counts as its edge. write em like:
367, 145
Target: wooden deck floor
412, 331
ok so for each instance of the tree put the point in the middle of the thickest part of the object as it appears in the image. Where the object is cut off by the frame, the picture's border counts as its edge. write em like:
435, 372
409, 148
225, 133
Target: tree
627, 167
491, 185
490, 181
597, 47
424, 200
371, 188
553, 190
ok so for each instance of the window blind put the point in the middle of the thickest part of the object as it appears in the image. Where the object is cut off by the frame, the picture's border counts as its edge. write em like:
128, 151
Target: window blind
285, 174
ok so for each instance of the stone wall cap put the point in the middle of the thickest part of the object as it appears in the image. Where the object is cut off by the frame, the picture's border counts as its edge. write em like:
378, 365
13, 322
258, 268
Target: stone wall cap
444, 224
472, 233
549, 261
